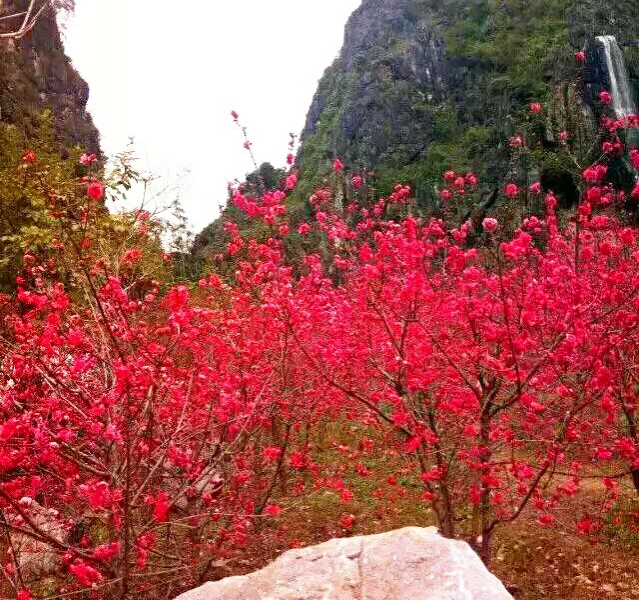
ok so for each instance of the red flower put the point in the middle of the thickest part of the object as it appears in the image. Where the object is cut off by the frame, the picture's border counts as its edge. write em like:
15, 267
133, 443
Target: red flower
24, 594
98, 495
291, 181
596, 173
272, 509
489, 224
535, 188
535, 108
162, 506
297, 460
412, 444
272, 453
512, 189
346, 495
605, 97
580, 56
87, 159
85, 574
362, 470
235, 115
347, 521
95, 191
545, 519
338, 165
459, 184
471, 430
107, 551
593, 194
29, 156
303, 229
586, 526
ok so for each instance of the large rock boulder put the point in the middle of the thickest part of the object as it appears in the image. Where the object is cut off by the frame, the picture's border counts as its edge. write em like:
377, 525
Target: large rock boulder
407, 564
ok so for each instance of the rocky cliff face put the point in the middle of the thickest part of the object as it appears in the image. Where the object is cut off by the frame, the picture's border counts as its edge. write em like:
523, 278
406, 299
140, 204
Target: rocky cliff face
370, 105
35, 74
425, 85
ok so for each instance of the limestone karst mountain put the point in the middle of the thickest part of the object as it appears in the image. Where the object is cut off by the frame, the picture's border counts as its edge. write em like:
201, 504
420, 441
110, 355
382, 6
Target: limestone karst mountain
36, 75
421, 86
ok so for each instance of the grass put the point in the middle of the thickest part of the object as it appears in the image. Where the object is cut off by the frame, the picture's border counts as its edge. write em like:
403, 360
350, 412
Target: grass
622, 526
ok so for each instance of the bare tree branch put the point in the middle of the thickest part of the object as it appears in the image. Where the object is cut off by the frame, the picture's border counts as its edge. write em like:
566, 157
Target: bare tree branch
31, 16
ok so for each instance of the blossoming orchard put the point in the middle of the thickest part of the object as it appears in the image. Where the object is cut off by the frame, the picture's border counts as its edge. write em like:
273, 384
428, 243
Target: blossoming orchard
150, 429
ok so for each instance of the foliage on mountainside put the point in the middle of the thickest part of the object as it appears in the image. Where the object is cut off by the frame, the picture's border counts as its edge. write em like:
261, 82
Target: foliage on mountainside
44, 199
422, 86
443, 84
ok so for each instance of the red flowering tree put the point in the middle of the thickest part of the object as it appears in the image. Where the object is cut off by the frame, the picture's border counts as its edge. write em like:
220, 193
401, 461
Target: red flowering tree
147, 430
143, 431
496, 367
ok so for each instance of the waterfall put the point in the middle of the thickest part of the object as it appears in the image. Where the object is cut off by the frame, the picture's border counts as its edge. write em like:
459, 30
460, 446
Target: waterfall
623, 101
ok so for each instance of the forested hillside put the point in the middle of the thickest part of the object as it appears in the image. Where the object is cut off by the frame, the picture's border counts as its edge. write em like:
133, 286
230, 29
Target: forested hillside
424, 86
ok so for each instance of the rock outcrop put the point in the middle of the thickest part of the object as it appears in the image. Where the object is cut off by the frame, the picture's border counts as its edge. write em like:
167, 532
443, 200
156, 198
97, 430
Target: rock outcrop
424, 86
37, 75
407, 564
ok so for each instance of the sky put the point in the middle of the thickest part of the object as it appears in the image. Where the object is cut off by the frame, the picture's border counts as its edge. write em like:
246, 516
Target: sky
169, 73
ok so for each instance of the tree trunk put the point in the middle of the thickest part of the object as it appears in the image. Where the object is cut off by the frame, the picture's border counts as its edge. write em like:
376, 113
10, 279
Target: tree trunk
484, 547
634, 472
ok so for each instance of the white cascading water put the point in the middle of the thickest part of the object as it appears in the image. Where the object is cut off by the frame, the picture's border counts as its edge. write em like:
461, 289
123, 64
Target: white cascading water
623, 100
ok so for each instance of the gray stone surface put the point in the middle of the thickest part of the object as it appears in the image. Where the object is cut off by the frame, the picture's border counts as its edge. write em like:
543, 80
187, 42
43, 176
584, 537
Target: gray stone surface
407, 564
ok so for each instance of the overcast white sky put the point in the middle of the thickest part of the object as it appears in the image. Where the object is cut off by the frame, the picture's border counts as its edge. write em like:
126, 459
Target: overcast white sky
168, 73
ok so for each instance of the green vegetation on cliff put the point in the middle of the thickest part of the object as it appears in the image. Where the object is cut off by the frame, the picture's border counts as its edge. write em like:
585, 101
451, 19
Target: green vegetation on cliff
444, 84
422, 86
